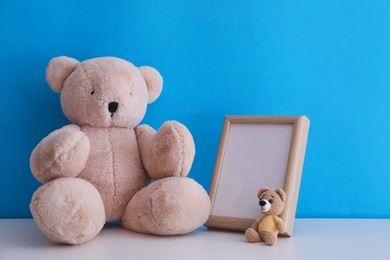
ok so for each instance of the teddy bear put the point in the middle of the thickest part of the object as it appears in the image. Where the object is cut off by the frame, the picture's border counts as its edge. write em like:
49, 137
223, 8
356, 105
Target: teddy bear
104, 166
267, 227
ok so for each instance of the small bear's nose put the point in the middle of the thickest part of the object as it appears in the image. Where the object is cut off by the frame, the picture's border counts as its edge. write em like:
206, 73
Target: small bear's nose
262, 203
113, 107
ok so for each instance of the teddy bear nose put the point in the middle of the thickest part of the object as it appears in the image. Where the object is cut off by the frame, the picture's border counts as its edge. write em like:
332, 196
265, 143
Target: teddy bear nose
262, 203
113, 107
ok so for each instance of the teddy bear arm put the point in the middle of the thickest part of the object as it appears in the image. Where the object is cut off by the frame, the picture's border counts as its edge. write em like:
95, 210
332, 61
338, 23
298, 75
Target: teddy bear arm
255, 225
280, 224
63, 153
169, 152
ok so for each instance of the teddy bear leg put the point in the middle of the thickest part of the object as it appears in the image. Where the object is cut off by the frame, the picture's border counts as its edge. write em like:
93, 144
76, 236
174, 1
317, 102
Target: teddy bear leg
169, 206
252, 235
68, 210
270, 238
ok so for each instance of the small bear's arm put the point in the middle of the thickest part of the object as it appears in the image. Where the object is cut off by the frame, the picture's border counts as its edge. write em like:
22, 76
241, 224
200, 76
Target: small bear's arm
63, 153
168, 152
280, 224
255, 225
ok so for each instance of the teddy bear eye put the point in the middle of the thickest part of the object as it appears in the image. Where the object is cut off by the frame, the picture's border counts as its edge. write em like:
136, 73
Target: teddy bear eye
271, 201
92, 92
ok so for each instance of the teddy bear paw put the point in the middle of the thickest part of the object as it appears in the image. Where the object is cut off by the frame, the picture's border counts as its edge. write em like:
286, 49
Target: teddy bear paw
63, 153
168, 152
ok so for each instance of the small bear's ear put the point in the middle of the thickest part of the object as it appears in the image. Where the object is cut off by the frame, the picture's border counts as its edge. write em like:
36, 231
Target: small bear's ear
282, 194
261, 191
58, 70
153, 81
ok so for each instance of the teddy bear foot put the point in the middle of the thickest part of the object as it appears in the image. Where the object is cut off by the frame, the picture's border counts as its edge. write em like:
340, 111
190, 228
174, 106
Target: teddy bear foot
68, 210
252, 236
270, 238
169, 206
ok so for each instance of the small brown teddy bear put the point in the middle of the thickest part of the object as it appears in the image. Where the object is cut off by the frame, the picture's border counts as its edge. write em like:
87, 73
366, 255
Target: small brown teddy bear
267, 227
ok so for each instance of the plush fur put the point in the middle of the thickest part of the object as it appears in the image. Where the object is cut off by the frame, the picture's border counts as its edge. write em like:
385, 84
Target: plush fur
267, 227
99, 168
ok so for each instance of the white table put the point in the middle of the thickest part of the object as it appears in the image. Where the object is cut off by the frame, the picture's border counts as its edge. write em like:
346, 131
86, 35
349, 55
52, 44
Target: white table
312, 239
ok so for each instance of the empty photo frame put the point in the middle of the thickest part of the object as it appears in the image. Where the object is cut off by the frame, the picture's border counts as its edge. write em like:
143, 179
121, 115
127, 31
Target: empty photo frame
256, 152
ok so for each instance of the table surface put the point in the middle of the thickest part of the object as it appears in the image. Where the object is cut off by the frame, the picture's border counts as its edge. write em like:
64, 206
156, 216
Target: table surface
312, 239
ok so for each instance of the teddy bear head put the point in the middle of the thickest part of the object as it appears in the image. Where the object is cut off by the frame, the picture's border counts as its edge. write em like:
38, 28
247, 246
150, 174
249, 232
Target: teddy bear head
103, 92
271, 202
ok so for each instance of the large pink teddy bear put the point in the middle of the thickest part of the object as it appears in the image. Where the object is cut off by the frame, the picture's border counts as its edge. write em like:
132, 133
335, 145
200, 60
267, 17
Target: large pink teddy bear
99, 168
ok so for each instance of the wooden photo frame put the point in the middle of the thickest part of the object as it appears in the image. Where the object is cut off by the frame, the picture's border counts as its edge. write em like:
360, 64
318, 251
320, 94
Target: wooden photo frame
256, 152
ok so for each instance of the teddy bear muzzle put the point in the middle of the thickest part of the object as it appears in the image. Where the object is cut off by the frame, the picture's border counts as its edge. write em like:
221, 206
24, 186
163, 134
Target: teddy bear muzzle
265, 205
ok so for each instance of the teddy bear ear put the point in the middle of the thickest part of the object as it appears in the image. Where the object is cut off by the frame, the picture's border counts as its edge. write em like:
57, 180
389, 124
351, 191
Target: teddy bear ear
261, 191
58, 70
282, 194
154, 82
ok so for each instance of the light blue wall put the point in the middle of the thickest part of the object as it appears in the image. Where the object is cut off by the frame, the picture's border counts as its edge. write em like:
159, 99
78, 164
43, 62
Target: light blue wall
329, 60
